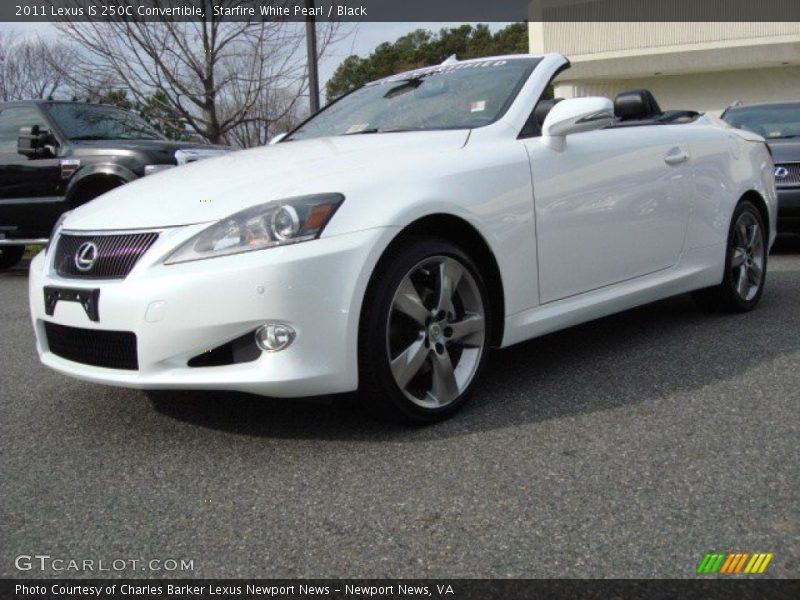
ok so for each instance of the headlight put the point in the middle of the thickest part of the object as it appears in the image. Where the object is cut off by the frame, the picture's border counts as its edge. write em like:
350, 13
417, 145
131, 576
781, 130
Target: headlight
276, 223
56, 228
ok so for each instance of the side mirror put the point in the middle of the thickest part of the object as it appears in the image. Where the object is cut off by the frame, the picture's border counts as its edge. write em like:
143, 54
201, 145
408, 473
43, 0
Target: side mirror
34, 142
575, 116
277, 139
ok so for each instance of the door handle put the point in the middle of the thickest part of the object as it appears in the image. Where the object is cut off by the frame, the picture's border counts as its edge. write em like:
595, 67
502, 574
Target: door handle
676, 157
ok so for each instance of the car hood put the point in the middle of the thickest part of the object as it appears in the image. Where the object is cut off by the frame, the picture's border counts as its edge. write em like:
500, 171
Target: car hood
785, 150
212, 189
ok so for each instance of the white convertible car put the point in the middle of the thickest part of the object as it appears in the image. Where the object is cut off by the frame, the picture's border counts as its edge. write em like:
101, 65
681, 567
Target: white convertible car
393, 238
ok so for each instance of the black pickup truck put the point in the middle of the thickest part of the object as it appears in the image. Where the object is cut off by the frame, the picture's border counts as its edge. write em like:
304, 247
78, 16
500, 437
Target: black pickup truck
55, 156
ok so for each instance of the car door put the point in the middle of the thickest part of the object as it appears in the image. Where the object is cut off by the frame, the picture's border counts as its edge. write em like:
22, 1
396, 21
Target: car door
612, 205
30, 194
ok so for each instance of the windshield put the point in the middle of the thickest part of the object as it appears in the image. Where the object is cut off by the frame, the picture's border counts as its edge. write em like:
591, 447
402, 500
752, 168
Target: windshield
455, 96
93, 122
771, 122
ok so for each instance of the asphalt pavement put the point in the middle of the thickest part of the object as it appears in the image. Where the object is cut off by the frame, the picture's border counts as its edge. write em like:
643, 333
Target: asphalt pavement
627, 447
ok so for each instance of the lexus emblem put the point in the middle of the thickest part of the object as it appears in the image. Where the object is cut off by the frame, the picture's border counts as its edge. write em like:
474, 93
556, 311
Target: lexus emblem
86, 256
781, 172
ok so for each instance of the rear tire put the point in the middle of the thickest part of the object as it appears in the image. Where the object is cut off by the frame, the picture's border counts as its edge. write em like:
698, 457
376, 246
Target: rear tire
424, 333
10, 256
745, 264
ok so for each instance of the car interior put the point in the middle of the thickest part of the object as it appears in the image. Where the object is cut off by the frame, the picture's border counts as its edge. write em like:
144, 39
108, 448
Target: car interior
639, 107
634, 108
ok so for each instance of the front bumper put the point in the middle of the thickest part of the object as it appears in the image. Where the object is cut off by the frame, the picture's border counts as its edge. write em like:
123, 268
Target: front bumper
179, 311
789, 210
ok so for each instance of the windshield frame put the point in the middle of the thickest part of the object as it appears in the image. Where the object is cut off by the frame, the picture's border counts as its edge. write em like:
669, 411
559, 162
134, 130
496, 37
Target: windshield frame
53, 119
398, 78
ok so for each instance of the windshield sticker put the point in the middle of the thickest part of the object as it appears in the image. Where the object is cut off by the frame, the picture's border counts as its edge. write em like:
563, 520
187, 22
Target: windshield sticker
439, 70
477, 106
357, 128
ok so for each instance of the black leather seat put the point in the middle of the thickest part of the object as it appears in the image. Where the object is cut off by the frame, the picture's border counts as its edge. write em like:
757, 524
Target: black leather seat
544, 107
533, 126
636, 105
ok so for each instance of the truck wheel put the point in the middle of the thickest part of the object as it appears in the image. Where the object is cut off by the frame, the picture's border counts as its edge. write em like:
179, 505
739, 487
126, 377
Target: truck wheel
10, 256
90, 190
425, 332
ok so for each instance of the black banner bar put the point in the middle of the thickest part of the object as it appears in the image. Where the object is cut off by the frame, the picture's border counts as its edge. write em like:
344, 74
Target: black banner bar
784, 11
398, 589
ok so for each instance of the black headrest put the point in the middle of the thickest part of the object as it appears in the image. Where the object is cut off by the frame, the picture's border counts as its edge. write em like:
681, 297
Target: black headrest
636, 104
543, 107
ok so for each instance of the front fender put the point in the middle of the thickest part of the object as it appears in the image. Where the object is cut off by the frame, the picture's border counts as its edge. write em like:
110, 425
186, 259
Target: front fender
489, 187
98, 169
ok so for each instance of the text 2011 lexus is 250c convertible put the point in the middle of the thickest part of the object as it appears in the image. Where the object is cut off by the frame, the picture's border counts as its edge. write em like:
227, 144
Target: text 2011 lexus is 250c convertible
392, 239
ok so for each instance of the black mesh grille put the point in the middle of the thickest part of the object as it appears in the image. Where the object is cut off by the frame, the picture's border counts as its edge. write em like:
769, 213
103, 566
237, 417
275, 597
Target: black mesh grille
792, 176
99, 348
116, 255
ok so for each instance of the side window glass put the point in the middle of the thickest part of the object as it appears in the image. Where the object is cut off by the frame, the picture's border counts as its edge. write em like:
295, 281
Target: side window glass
11, 119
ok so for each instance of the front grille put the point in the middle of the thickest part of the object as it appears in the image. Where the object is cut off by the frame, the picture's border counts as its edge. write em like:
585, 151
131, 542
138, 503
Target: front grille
792, 174
114, 255
96, 347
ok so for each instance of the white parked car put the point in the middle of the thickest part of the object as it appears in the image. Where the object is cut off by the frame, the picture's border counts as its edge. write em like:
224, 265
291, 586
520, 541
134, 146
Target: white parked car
393, 238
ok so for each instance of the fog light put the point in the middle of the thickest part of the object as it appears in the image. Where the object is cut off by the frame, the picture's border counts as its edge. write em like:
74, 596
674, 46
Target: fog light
274, 337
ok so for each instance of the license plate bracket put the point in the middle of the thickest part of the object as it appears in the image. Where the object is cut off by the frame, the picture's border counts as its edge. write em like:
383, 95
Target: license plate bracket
88, 298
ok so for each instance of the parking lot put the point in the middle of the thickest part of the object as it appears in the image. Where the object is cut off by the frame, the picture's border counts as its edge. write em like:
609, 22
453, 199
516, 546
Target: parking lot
627, 447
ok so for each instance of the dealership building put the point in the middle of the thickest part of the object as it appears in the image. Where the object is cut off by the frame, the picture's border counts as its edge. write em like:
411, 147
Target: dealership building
702, 66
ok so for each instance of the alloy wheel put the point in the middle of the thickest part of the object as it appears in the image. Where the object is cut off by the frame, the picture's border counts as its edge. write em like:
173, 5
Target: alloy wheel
435, 332
747, 257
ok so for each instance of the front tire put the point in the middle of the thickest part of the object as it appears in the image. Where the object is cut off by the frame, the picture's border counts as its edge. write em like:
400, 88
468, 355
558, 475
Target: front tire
91, 189
425, 332
745, 264
10, 256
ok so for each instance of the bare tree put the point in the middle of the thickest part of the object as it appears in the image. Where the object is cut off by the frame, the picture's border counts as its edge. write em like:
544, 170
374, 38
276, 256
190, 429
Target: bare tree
32, 68
7, 39
219, 75
278, 111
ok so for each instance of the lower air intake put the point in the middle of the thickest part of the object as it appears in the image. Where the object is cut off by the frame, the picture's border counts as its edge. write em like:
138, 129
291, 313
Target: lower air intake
95, 347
